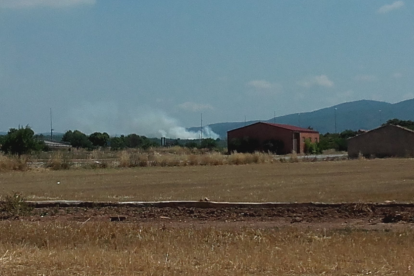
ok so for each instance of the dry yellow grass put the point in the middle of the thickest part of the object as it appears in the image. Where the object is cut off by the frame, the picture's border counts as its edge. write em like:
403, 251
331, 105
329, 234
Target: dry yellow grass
109, 248
10, 163
130, 249
154, 157
350, 181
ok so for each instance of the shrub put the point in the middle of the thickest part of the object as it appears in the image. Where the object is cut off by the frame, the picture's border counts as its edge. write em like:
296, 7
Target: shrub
59, 161
77, 139
211, 159
143, 160
99, 139
237, 158
294, 157
21, 141
124, 159
208, 143
13, 163
310, 148
168, 160
261, 158
192, 160
15, 205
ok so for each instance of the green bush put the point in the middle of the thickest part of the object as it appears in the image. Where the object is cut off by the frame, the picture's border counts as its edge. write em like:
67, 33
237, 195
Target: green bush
337, 141
311, 148
21, 141
208, 143
99, 139
77, 139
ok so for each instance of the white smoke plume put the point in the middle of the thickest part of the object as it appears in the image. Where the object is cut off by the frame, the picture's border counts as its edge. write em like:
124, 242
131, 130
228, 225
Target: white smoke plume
108, 117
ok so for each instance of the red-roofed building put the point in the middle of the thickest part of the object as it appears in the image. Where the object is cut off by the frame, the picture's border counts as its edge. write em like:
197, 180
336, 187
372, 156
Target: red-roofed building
278, 138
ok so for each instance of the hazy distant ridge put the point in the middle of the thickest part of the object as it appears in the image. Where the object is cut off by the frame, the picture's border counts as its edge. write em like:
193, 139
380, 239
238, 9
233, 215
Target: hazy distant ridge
363, 114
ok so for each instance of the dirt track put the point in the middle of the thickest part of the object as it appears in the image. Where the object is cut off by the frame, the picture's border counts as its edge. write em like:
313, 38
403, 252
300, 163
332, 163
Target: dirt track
182, 214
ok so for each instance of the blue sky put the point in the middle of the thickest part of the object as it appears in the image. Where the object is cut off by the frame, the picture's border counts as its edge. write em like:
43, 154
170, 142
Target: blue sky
152, 67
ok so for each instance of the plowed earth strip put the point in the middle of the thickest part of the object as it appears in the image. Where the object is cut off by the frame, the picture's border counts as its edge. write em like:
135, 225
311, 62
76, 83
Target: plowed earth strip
183, 214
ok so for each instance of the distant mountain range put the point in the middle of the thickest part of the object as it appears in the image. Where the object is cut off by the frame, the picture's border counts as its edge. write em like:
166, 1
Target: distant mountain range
363, 114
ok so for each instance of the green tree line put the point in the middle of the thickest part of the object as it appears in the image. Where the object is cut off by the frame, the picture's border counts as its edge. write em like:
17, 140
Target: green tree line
22, 140
78, 139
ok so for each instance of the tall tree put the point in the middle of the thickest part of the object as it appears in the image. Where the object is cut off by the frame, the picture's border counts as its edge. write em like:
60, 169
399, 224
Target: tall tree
99, 139
133, 141
77, 139
21, 141
117, 143
208, 143
404, 123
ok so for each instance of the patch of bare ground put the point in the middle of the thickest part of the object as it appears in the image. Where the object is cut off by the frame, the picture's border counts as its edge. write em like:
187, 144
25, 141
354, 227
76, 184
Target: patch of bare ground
307, 215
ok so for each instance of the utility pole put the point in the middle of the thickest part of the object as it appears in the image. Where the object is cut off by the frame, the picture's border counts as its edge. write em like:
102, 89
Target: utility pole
201, 128
51, 126
335, 119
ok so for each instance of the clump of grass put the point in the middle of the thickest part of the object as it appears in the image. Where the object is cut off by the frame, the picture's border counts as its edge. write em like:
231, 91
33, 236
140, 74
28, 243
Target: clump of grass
96, 154
143, 160
192, 160
212, 159
124, 159
13, 163
237, 158
176, 150
361, 156
165, 157
294, 157
262, 157
96, 165
59, 161
168, 160
15, 205
250, 158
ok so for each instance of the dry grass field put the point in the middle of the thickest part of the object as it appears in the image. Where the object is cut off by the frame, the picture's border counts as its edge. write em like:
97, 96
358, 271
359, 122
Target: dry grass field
337, 181
88, 247
131, 249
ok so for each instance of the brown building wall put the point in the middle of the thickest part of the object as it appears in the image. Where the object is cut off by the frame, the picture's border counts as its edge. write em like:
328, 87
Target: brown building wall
381, 142
264, 132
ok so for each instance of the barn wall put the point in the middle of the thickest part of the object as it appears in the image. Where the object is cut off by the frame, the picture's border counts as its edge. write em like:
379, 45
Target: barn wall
263, 132
385, 141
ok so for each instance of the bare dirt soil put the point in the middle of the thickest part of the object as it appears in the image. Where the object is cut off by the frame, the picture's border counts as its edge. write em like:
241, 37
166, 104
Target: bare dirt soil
364, 216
